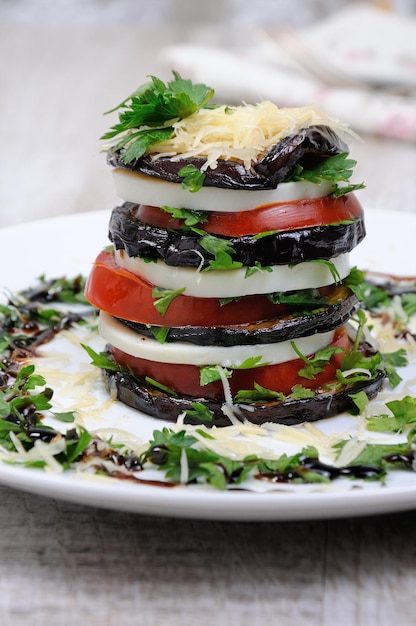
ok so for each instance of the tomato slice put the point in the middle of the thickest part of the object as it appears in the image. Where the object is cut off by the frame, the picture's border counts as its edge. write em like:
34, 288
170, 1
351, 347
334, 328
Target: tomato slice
184, 379
122, 294
280, 216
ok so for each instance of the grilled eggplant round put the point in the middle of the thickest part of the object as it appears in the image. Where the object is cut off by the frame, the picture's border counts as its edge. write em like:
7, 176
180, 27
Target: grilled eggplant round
183, 248
335, 308
307, 147
325, 403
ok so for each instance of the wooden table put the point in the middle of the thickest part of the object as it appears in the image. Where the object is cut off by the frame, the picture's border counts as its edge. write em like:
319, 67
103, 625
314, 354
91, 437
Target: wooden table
65, 564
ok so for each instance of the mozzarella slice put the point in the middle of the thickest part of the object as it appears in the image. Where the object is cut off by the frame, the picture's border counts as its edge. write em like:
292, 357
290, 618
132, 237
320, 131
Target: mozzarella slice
137, 345
233, 283
144, 189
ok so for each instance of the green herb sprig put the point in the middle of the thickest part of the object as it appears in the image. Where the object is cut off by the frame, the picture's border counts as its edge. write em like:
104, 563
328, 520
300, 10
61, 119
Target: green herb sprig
146, 116
336, 169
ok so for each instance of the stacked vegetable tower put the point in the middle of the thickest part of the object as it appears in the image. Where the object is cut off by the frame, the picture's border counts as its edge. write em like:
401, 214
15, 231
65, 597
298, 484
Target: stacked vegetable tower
228, 289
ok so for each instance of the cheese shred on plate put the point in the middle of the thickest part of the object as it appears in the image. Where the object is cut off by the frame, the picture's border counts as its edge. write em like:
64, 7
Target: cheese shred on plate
242, 133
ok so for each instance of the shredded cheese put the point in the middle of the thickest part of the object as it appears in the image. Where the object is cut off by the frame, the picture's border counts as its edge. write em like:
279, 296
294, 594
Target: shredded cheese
184, 476
243, 133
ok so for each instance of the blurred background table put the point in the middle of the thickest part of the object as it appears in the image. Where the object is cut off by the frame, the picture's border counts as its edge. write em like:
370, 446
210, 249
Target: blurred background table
61, 66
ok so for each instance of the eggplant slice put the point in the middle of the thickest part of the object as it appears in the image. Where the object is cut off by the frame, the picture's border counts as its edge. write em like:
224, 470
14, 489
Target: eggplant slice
308, 147
182, 248
136, 394
340, 305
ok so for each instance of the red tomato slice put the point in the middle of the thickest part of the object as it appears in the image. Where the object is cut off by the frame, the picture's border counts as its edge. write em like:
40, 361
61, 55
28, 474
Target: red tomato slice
184, 379
281, 216
122, 294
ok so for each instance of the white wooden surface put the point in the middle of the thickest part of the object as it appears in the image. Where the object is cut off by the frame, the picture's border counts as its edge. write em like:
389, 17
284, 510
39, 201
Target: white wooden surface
66, 564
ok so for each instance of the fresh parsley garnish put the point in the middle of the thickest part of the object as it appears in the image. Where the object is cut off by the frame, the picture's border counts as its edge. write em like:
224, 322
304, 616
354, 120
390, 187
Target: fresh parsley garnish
211, 373
257, 267
331, 267
157, 385
403, 414
302, 297
200, 411
160, 333
299, 392
192, 178
337, 169
146, 116
191, 217
258, 394
164, 297
316, 363
360, 400
136, 144
224, 301
101, 359
266, 233
221, 249
391, 361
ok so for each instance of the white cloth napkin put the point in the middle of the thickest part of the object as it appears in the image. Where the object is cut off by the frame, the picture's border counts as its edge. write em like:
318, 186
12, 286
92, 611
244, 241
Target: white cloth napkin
358, 65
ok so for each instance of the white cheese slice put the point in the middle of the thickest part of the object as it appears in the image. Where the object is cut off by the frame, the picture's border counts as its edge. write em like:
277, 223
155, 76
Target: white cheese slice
144, 189
135, 344
233, 283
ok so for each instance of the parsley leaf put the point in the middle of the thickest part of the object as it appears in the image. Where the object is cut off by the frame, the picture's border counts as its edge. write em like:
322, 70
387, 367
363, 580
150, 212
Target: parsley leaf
146, 116
409, 303
404, 413
360, 400
160, 333
201, 411
341, 190
222, 250
65, 416
250, 363
299, 392
101, 359
317, 362
191, 217
331, 267
141, 141
212, 373
193, 178
164, 297
391, 361
298, 298
154, 383
337, 169
76, 444
257, 267
258, 394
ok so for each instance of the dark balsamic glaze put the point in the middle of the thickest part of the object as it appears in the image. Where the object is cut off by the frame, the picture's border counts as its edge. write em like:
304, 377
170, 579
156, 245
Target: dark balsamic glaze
330, 472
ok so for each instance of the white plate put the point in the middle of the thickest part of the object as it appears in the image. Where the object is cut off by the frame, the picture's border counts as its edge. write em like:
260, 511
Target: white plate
67, 245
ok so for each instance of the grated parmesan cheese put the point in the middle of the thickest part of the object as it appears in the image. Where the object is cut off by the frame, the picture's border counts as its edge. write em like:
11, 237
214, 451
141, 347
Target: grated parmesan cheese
184, 476
243, 133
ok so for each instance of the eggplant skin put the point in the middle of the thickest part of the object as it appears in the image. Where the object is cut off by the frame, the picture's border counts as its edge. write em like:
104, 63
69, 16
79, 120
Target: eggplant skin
182, 248
339, 309
135, 394
306, 147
